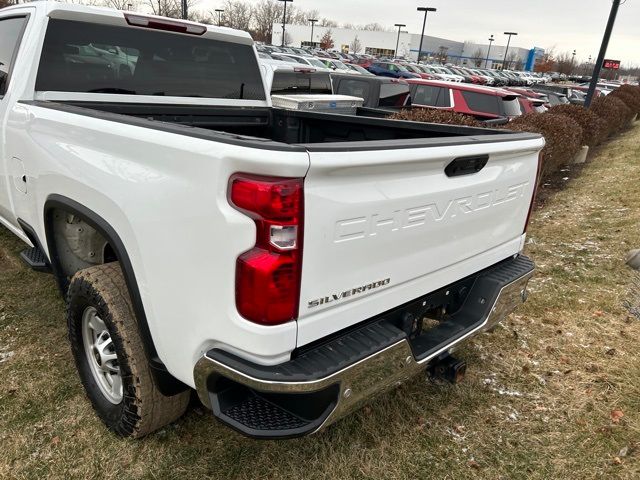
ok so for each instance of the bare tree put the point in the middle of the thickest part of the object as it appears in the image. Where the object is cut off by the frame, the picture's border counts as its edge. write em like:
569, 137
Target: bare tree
265, 14
237, 14
356, 45
166, 8
477, 57
327, 22
564, 62
373, 27
511, 58
121, 4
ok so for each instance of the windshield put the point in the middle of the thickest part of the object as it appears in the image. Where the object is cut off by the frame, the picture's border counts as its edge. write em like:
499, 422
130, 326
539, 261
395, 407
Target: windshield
152, 63
316, 63
288, 59
339, 65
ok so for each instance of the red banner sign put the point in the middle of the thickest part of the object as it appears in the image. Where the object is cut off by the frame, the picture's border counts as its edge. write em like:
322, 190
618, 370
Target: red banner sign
611, 64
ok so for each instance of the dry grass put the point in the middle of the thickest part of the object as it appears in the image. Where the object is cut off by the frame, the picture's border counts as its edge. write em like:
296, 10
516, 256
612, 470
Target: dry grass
537, 402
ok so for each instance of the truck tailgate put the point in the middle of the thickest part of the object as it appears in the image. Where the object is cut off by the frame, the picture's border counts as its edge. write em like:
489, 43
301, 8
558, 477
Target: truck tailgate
383, 227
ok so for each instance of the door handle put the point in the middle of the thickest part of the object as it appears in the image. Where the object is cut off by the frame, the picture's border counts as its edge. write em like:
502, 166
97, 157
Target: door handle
466, 165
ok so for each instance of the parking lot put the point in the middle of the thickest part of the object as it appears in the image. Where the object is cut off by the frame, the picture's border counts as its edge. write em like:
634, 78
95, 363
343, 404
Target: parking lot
268, 252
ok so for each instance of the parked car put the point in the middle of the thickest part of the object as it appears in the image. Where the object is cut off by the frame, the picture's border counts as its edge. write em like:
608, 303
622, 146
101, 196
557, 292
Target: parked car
377, 92
480, 102
359, 69
530, 105
446, 74
555, 98
467, 76
307, 60
529, 93
392, 70
272, 260
337, 66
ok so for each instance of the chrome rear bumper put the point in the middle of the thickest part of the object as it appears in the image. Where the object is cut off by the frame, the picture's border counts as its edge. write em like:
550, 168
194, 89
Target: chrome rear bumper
347, 388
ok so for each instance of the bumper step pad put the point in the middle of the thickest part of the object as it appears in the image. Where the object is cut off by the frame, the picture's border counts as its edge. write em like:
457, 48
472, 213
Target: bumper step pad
36, 259
326, 380
258, 414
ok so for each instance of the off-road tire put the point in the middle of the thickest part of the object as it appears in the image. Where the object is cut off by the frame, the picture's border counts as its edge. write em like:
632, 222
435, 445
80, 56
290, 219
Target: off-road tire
143, 409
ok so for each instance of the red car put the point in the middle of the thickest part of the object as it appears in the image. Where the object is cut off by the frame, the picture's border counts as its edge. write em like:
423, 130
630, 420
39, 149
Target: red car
484, 103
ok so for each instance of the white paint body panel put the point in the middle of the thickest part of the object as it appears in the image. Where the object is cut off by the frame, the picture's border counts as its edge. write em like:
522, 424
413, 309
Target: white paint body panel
165, 195
369, 218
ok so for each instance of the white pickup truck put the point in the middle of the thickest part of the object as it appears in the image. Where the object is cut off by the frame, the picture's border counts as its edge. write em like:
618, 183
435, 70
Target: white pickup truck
286, 265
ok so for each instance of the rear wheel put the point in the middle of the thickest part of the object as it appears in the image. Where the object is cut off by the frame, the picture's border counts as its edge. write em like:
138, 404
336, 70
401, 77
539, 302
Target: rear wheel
109, 355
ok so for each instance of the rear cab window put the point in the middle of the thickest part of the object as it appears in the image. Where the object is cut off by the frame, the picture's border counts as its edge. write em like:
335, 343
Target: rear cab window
11, 31
354, 88
286, 82
94, 58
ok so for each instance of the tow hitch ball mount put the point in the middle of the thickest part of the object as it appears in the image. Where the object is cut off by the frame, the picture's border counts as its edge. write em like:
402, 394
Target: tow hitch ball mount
449, 368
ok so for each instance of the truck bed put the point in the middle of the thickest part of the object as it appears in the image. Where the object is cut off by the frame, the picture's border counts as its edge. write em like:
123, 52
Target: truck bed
284, 127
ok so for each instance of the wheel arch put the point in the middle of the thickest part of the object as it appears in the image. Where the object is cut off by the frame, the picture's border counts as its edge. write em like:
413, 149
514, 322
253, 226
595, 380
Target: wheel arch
166, 383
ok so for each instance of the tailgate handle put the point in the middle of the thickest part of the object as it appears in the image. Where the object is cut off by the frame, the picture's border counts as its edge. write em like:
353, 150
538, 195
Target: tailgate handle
466, 165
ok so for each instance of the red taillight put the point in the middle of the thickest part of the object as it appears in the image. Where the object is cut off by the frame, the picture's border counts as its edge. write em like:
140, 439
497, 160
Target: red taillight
268, 275
535, 192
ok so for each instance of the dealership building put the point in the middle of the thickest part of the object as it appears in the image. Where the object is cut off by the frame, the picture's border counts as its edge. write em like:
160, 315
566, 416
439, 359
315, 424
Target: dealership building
434, 49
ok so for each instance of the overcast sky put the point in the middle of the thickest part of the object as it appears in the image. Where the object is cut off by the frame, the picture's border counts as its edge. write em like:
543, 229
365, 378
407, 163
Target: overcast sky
563, 24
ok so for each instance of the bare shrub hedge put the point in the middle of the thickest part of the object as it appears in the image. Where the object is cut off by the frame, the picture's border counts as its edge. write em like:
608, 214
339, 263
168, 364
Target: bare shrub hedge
594, 128
430, 115
562, 134
630, 95
630, 100
613, 111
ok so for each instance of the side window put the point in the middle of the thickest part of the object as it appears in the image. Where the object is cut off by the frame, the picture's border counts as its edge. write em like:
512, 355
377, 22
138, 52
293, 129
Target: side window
444, 100
354, 88
479, 102
427, 95
10, 36
432, 96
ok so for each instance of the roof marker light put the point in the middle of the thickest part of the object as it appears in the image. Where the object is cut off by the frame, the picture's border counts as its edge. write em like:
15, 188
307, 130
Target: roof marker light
165, 24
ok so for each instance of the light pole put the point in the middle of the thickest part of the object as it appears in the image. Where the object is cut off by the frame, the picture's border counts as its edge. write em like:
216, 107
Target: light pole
491, 40
603, 52
284, 20
507, 50
426, 10
185, 8
219, 11
573, 61
312, 21
399, 25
